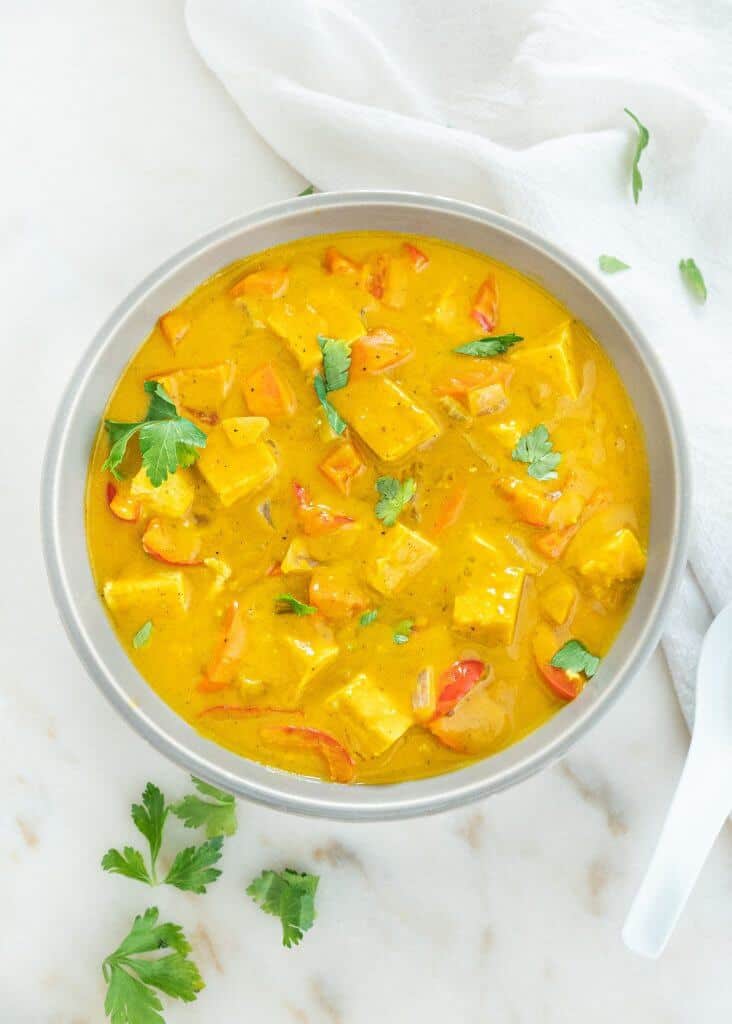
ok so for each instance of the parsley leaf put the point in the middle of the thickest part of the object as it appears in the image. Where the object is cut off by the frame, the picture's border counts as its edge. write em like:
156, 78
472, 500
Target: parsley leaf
217, 815
167, 440
485, 347
368, 617
337, 423
307, 191
298, 607
574, 657
394, 495
402, 631
643, 137
693, 277
132, 979
536, 449
336, 362
611, 264
192, 870
290, 896
142, 636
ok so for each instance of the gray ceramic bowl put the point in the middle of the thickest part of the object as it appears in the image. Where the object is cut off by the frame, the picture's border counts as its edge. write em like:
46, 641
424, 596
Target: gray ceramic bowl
77, 420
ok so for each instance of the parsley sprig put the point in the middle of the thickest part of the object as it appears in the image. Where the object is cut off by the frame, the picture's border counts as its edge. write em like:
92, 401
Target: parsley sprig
192, 868
611, 264
643, 137
167, 441
132, 980
289, 895
403, 631
336, 362
288, 603
491, 346
393, 496
536, 449
574, 657
694, 279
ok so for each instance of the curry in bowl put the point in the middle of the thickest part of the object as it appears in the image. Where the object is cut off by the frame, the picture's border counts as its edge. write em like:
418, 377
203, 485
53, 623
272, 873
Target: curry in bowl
368, 507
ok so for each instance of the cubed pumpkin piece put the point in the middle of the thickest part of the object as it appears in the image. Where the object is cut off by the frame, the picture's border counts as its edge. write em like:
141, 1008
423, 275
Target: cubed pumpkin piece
244, 430
379, 350
163, 595
268, 393
311, 647
478, 720
336, 593
233, 472
199, 389
558, 601
173, 541
487, 400
172, 498
551, 357
390, 279
372, 723
271, 283
121, 504
336, 263
341, 466
385, 417
398, 555
489, 610
529, 501
174, 327
619, 558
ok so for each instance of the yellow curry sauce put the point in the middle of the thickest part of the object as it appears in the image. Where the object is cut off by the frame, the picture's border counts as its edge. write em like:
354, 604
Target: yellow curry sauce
515, 479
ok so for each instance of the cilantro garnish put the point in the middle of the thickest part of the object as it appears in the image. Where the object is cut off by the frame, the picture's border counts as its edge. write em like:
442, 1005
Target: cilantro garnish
402, 631
493, 346
611, 264
643, 137
693, 277
142, 636
167, 440
337, 423
336, 362
217, 816
192, 869
307, 191
132, 979
394, 495
536, 449
293, 605
574, 657
290, 896
368, 617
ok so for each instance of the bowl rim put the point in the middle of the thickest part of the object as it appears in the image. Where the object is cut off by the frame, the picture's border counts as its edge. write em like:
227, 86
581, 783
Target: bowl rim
298, 794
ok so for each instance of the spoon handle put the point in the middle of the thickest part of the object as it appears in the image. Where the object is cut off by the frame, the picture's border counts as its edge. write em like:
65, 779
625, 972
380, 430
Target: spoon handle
700, 805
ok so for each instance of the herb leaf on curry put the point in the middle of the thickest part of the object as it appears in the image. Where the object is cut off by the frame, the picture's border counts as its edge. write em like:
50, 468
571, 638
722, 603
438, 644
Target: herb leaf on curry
694, 279
393, 496
336, 362
482, 348
133, 983
167, 441
642, 142
292, 604
574, 657
336, 421
289, 895
403, 631
142, 636
368, 617
537, 450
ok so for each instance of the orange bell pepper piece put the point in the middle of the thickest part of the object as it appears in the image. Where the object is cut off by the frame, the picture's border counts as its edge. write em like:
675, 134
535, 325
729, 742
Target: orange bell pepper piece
336, 263
272, 283
222, 667
121, 506
342, 466
379, 350
485, 305
174, 327
458, 680
268, 393
316, 520
416, 257
451, 509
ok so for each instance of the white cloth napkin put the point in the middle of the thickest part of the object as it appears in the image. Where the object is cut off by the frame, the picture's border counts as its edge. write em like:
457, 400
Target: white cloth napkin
518, 105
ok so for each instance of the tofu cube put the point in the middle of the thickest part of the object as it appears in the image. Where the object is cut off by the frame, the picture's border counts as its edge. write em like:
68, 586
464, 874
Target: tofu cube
487, 400
199, 389
172, 498
558, 601
399, 554
165, 594
299, 328
618, 558
489, 611
550, 356
233, 472
341, 319
385, 417
371, 721
311, 648
244, 430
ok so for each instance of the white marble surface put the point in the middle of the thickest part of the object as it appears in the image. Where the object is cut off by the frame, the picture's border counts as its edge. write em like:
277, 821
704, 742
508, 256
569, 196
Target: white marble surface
118, 148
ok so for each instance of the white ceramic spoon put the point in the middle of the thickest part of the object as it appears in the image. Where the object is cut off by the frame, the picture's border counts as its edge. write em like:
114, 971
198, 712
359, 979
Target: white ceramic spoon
701, 803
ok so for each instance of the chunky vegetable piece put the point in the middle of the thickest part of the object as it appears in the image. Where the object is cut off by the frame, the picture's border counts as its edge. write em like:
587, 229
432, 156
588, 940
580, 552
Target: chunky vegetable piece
393, 510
